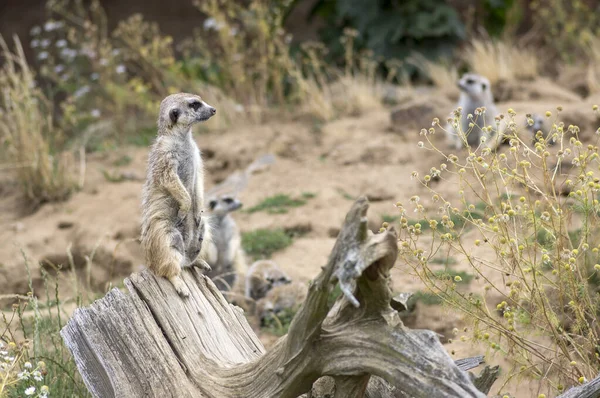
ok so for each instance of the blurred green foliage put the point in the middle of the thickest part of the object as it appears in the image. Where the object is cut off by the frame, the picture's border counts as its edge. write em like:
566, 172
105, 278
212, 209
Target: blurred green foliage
392, 29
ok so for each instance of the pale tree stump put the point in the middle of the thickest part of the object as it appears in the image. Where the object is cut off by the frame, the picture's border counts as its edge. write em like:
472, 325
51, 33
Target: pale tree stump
152, 343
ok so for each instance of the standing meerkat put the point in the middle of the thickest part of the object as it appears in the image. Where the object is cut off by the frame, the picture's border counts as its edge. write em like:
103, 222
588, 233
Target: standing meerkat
475, 93
224, 252
263, 276
173, 227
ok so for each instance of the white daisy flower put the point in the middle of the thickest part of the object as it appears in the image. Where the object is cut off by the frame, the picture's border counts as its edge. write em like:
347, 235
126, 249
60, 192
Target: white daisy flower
27, 365
120, 69
30, 390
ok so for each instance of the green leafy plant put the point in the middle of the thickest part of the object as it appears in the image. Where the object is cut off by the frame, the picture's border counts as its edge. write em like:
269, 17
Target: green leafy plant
262, 243
278, 204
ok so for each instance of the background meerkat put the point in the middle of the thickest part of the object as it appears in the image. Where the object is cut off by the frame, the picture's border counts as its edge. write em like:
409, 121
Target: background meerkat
173, 195
263, 276
224, 252
538, 125
475, 92
280, 298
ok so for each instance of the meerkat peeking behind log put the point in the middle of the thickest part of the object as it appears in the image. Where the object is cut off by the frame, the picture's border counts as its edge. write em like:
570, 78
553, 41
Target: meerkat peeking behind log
263, 276
173, 226
475, 94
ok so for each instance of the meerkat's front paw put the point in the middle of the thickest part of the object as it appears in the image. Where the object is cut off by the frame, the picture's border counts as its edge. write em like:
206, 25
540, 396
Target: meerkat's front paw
202, 264
180, 286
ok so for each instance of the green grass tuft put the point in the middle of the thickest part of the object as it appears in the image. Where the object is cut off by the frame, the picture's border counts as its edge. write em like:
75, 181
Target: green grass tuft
280, 203
262, 243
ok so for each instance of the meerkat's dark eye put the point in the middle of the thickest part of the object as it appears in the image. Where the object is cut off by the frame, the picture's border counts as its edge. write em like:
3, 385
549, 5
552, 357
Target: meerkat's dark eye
283, 279
269, 279
484, 86
469, 81
196, 105
228, 200
212, 204
174, 115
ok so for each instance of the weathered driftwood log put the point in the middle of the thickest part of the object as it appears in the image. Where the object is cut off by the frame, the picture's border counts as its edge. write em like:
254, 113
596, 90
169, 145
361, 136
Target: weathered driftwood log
152, 343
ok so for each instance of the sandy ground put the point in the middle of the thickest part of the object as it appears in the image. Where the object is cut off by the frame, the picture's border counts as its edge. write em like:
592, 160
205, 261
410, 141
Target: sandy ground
337, 161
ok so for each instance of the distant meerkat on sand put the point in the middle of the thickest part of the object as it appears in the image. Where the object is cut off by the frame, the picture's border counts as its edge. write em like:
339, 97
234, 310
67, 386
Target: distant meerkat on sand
224, 252
538, 125
263, 276
173, 226
475, 92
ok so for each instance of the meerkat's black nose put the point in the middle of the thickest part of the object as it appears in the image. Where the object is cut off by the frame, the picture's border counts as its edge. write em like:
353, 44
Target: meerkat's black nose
213, 110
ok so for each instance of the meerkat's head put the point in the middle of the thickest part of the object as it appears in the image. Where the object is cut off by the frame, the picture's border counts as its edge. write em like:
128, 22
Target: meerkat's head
477, 87
178, 112
223, 205
274, 277
538, 123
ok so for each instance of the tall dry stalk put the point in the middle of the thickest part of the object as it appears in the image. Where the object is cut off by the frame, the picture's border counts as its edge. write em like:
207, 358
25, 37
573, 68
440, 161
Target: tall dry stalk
27, 131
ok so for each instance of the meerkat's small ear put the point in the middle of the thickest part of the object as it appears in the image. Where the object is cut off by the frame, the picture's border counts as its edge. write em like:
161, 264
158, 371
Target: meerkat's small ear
174, 115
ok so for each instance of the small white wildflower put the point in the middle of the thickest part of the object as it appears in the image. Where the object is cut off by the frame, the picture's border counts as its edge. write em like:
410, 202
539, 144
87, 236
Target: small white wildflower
81, 91
30, 390
42, 56
35, 43
27, 365
37, 376
61, 43
88, 52
420, 144
10, 359
24, 375
68, 53
59, 68
211, 23
115, 52
45, 43
49, 26
36, 30
483, 139
95, 113
120, 69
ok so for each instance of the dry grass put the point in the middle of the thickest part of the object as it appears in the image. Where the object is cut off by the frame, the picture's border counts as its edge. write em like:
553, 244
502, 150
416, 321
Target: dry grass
501, 60
27, 131
593, 67
442, 73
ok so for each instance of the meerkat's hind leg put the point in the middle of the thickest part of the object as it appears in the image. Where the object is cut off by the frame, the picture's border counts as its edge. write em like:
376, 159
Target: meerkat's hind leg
172, 268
